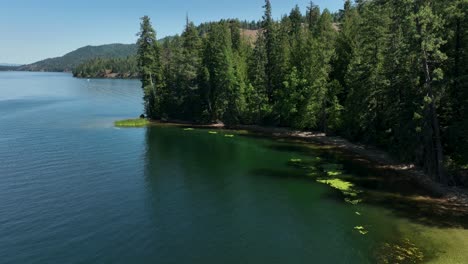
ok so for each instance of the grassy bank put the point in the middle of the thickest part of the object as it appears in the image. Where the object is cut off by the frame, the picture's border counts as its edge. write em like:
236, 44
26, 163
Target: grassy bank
138, 122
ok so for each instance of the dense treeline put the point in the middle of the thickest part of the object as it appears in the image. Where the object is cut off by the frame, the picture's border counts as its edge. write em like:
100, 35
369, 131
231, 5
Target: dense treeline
108, 68
8, 68
204, 28
387, 72
71, 60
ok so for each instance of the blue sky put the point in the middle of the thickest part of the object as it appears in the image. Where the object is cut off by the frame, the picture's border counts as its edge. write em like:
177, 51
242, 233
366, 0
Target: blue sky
31, 30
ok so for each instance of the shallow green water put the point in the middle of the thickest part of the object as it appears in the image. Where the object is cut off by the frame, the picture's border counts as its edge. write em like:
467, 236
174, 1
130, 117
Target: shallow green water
75, 189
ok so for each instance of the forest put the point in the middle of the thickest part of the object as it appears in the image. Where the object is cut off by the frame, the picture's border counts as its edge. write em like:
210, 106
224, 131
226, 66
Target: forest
108, 68
389, 73
70, 61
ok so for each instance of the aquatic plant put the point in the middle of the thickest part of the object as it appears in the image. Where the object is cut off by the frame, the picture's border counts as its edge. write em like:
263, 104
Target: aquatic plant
361, 230
139, 122
189, 129
229, 136
339, 184
347, 188
353, 201
334, 173
213, 132
401, 252
295, 160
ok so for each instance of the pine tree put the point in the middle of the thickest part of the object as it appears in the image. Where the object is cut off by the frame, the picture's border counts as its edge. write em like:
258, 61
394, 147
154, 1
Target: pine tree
313, 15
365, 77
427, 35
295, 17
188, 73
257, 103
345, 45
327, 91
150, 68
269, 34
456, 72
219, 73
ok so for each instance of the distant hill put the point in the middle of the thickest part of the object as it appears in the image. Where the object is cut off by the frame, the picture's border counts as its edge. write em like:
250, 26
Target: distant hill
10, 64
87, 55
8, 68
71, 60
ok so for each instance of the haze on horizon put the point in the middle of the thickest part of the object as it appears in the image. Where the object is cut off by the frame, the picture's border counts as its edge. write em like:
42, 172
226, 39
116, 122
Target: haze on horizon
35, 30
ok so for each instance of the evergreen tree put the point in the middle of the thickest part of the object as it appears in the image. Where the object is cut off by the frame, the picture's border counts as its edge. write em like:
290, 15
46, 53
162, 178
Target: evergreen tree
456, 14
257, 103
427, 35
269, 34
189, 68
219, 76
150, 68
365, 76
313, 15
345, 44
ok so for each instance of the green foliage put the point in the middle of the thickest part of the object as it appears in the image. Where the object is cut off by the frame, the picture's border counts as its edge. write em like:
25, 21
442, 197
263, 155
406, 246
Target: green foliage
140, 122
387, 73
362, 230
404, 251
108, 68
149, 63
71, 60
344, 186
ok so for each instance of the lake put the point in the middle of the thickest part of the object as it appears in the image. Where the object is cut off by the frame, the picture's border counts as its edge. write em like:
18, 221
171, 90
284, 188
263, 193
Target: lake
75, 189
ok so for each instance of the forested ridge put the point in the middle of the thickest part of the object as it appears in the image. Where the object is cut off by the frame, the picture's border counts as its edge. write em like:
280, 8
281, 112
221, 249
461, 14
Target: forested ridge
71, 60
108, 68
392, 73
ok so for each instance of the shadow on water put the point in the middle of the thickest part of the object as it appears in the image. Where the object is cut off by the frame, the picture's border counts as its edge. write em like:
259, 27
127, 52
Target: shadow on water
202, 200
381, 187
280, 174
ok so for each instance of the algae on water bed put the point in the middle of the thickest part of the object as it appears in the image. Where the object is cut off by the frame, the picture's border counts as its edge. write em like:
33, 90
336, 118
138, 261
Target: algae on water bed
229, 136
353, 201
334, 173
347, 188
213, 132
361, 230
401, 252
344, 186
295, 160
189, 129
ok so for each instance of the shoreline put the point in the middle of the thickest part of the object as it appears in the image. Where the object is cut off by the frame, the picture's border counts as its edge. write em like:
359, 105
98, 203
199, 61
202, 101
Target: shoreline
364, 154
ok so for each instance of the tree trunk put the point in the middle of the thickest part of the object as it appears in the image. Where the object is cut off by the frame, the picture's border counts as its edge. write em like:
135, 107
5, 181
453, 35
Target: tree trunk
457, 94
434, 126
324, 111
